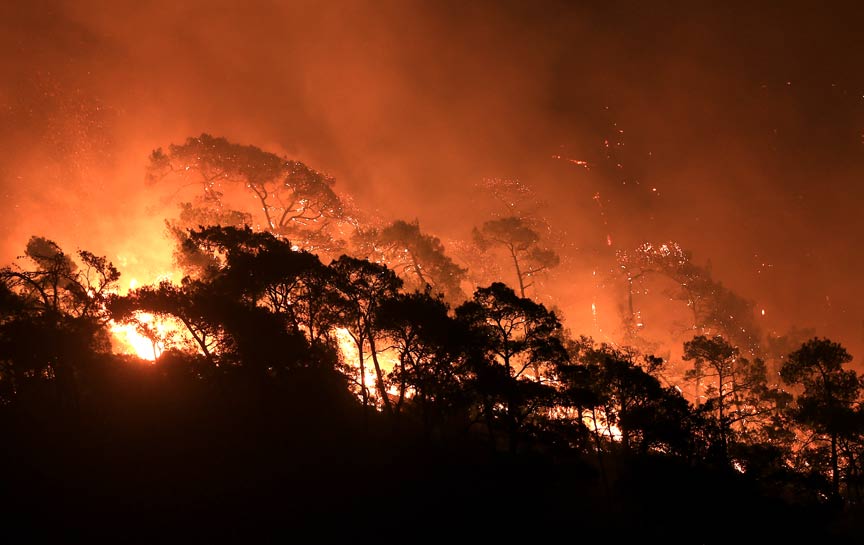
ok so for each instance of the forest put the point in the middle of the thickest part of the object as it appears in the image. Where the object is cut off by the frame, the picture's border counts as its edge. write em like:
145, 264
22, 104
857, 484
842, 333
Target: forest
312, 373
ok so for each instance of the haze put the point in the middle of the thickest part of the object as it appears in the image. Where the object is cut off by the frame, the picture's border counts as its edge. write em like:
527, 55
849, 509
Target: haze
736, 131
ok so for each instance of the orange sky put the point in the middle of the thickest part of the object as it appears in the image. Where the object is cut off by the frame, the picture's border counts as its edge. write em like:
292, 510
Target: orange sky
735, 131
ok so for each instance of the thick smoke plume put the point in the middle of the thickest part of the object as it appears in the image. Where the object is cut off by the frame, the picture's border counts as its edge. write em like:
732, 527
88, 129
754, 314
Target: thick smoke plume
736, 132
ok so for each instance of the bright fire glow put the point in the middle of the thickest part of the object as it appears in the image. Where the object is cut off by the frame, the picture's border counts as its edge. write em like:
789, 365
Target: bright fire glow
131, 339
594, 420
147, 335
387, 358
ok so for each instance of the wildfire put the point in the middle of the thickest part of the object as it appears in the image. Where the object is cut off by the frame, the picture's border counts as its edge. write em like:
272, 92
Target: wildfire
595, 421
145, 337
387, 358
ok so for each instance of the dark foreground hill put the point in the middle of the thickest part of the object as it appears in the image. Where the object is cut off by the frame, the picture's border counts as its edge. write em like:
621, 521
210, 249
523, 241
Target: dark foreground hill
145, 463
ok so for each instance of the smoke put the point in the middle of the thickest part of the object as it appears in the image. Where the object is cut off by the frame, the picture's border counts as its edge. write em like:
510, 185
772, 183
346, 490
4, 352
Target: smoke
735, 131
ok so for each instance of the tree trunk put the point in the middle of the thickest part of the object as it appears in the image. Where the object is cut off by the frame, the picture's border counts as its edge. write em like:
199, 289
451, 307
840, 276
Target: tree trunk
835, 472
385, 398
599, 450
721, 413
512, 429
518, 272
631, 326
403, 385
363, 391
418, 272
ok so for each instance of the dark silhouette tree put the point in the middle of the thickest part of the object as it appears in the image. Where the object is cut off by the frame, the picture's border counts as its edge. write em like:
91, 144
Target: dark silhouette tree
264, 270
714, 359
518, 342
360, 287
632, 399
827, 404
240, 310
431, 369
735, 389
55, 315
191, 303
58, 285
612, 399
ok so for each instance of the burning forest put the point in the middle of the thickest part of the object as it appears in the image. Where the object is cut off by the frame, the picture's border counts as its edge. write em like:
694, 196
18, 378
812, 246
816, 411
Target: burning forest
356, 269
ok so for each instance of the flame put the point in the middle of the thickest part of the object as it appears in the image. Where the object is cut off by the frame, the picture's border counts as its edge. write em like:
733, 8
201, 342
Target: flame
388, 358
348, 350
594, 420
130, 338
598, 423
145, 335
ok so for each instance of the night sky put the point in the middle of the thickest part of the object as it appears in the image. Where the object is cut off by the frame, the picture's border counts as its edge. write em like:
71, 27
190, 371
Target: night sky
735, 129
